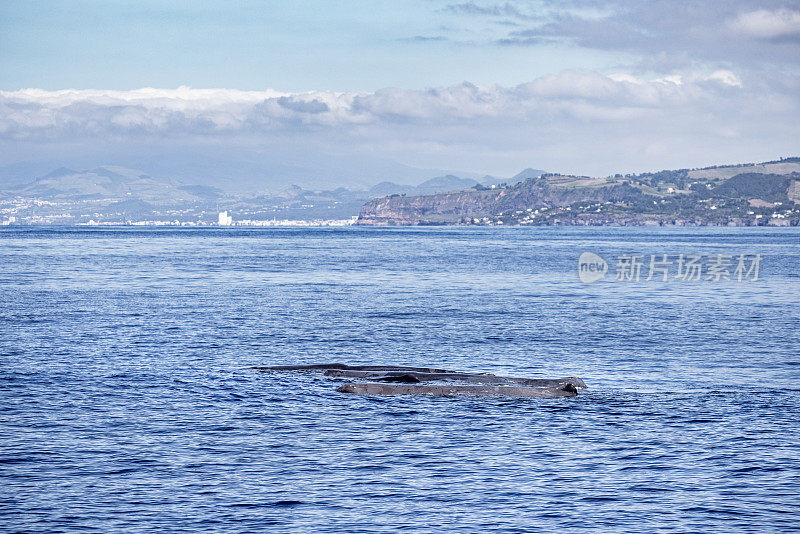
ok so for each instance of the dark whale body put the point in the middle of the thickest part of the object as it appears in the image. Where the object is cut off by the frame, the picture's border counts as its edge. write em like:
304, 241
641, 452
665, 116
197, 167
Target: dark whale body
403, 380
510, 391
472, 378
343, 367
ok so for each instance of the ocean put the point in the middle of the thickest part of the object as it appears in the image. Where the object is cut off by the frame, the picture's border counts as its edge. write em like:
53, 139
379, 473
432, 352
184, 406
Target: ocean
128, 402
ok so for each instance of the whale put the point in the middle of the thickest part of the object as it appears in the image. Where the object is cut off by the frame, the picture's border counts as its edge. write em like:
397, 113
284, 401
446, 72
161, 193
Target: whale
344, 367
406, 380
472, 378
369, 388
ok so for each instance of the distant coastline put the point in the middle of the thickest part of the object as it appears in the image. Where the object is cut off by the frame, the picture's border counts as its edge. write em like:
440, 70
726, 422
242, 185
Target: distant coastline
766, 194
751, 194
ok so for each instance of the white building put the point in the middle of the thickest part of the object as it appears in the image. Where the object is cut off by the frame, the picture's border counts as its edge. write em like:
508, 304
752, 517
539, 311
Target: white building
225, 219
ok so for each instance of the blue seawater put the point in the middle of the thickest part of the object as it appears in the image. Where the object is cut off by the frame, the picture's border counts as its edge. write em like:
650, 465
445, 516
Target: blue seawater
128, 402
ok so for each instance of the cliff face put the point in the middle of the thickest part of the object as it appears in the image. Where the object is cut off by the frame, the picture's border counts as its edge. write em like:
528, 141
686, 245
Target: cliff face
458, 206
441, 208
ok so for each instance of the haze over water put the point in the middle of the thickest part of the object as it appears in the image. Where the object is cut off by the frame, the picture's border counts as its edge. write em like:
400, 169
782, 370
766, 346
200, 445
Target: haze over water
128, 403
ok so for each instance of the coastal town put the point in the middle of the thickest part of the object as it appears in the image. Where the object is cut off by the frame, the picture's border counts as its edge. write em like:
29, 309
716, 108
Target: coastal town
755, 194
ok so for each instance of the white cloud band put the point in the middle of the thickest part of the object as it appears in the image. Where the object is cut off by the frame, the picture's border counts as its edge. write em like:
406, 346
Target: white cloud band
765, 24
572, 95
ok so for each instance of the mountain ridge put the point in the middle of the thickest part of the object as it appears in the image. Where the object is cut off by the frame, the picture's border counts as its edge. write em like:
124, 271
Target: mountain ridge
750, 194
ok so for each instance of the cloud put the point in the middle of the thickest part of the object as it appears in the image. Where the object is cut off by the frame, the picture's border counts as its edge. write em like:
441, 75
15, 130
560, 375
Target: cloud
182, 112
423, 39
664, 36
725, 77
581, 121
765, 24
526, 38
32, 113
303, 106
494, 10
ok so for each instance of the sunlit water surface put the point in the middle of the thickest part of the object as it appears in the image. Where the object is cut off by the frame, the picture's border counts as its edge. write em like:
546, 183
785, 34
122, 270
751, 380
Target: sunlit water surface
127, 402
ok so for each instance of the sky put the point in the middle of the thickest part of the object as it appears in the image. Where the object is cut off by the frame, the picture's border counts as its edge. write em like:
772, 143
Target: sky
350, 93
